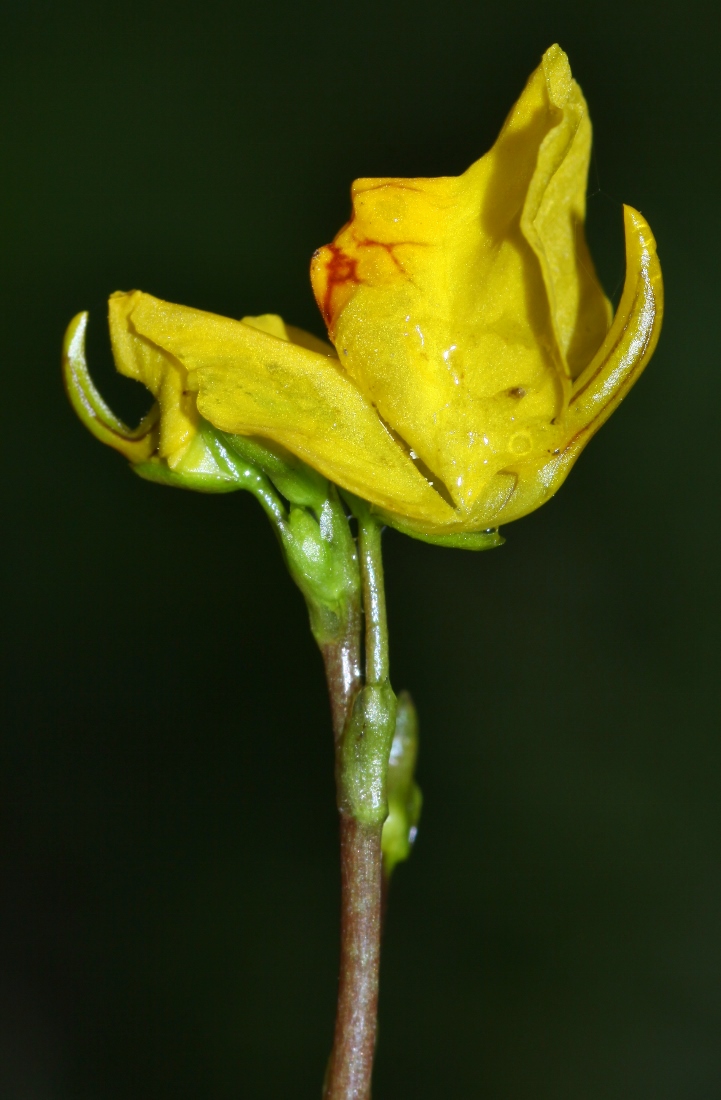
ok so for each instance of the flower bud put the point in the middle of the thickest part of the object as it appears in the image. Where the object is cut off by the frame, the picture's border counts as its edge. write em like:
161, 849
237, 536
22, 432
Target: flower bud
404, 794
364, 754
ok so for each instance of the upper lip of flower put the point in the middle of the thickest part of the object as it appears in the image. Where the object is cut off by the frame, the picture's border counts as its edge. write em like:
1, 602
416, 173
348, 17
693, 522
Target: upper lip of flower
475, 357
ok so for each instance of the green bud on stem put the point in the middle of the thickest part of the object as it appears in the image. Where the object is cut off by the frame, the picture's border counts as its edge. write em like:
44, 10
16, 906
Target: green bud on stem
404, 794
364, 753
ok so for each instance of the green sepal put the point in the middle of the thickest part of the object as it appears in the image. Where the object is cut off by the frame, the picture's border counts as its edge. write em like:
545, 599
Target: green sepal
461, 540
313, 531
207, 466
198, 470
364, 754
319, 550
296, 481
157, 470
404, 795
314, 535
302, 505
322, 559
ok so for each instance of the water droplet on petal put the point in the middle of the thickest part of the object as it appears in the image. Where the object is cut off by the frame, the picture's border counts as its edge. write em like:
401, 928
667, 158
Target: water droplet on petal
520, 443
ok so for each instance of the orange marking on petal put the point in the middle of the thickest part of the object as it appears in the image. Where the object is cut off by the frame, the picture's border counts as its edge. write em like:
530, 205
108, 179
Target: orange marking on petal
340, 270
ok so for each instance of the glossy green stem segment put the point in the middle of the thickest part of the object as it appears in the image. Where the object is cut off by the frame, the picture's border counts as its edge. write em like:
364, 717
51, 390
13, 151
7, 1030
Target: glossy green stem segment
374, 600
362, 762
362, 755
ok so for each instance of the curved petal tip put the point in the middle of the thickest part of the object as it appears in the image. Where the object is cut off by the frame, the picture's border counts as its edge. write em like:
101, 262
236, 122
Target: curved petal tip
630, 341
137, 445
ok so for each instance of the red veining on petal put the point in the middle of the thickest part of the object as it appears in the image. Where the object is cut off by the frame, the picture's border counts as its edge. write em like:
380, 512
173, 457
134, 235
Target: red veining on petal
389, 247
335, 267
340, 270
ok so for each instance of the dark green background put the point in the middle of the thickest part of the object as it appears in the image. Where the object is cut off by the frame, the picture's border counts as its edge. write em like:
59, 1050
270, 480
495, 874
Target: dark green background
168, 882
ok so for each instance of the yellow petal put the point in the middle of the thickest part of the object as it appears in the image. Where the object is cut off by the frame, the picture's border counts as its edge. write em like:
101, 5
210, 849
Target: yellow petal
448, 299
626, 350
630, 342
276, 326
252, 383
164, 376
270, 323
527, 483
554, 211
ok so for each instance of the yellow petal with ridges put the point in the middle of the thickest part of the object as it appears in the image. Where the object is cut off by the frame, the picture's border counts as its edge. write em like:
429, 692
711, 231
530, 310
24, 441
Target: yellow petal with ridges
450, 299
631, 340
615, 368
554, 212
249, 382
276, 326
164, 376
526, 484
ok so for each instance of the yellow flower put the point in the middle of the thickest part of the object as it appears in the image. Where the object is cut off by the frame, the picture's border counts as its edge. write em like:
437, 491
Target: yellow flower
475, 352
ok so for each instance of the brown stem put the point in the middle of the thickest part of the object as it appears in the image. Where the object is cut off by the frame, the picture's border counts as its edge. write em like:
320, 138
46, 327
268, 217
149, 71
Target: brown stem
351, 1061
